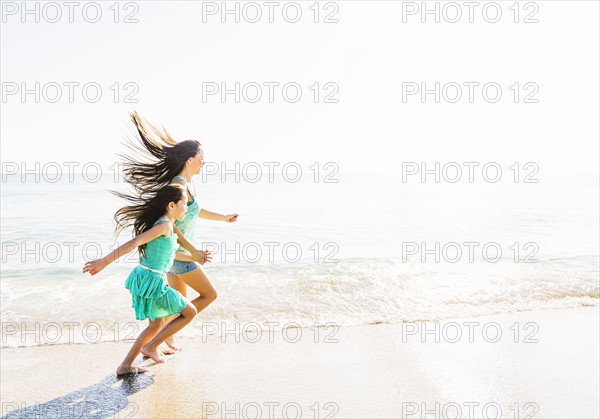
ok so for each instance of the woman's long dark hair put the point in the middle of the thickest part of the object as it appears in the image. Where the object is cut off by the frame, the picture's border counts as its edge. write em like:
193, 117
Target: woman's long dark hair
143, 213
156, 157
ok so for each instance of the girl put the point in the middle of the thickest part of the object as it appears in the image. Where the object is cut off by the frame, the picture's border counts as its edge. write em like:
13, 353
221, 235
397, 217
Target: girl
152, 298
168, 162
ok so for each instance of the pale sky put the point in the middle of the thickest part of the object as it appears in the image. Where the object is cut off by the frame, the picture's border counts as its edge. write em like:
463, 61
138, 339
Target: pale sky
368, 54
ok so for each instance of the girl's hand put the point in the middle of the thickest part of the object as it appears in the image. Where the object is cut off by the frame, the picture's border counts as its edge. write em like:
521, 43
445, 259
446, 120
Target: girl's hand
201, 256
94, 266
205, 257
231, 218
197, 255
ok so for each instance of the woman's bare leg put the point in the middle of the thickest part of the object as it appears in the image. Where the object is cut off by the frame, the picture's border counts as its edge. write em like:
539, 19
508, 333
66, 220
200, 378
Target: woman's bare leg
177, 284
174, 326
199, 282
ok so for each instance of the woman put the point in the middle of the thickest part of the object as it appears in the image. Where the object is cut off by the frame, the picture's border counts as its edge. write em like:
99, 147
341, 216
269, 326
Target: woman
158, 160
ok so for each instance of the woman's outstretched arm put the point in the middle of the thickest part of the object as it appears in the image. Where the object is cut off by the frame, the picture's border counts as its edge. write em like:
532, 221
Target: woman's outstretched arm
214, 216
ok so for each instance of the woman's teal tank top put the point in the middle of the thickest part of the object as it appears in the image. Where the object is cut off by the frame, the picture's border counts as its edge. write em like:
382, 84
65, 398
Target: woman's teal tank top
187, 225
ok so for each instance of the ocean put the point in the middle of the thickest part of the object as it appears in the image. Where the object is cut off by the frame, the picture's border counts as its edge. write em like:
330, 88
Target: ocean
366, 249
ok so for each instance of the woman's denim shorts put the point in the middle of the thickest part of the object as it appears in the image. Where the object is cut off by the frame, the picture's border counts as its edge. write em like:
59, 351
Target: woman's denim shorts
180, 267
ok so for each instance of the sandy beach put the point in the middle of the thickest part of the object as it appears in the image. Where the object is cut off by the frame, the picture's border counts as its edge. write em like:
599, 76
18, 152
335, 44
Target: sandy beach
381, 371
397, 205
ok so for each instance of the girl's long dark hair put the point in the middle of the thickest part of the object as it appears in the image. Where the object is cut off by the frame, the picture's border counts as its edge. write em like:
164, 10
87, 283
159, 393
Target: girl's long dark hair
156, 157
143, 213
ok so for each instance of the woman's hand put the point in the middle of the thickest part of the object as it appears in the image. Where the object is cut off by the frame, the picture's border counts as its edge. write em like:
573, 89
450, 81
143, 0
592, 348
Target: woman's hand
95, 266
230, 218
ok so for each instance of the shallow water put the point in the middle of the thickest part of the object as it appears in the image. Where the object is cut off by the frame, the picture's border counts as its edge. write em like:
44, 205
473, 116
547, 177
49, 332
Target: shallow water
355, 252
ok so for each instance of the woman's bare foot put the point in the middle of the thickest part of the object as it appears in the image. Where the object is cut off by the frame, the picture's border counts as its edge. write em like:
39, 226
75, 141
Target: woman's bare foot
129, 369
167, 351
152, 353
170, 341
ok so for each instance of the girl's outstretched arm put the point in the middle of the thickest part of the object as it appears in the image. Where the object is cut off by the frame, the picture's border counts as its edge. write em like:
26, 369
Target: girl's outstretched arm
208, 215
95, 266
186, 257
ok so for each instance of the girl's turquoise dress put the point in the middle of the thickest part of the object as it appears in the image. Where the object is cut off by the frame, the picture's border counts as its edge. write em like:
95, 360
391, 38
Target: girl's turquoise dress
151, 296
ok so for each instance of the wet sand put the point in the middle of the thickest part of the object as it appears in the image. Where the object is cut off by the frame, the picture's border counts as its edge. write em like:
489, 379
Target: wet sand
374, 371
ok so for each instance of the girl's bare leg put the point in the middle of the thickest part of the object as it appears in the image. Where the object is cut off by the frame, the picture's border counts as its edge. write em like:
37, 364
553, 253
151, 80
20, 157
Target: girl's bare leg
149, 349
199, 282
177, 284
147, 334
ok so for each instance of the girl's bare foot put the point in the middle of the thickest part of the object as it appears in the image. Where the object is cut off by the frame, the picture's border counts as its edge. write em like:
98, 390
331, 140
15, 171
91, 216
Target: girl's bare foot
170, 341
129, 369
152, 353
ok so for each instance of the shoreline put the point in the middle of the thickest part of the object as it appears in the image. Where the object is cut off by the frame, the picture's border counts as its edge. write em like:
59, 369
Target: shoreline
543, 363
210, 329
